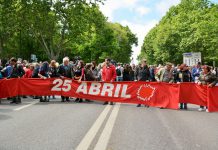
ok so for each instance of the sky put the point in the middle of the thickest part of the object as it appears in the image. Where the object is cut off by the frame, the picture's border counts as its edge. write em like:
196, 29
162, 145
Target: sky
140, 15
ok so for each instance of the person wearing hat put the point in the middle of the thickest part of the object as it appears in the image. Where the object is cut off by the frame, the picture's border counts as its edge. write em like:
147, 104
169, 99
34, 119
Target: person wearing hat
206, 78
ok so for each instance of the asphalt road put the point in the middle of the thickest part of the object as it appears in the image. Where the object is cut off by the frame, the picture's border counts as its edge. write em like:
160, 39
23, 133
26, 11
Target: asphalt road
80, 126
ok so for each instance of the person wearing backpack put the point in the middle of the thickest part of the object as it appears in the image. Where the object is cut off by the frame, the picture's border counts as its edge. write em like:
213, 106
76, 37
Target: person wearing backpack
119, 72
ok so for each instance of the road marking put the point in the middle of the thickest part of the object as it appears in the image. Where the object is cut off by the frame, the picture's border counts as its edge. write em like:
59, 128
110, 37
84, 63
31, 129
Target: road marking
90, 135
25, 106
106, 133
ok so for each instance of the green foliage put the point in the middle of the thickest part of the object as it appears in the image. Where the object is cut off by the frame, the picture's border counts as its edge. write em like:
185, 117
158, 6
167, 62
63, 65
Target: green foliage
52, 29
192, 26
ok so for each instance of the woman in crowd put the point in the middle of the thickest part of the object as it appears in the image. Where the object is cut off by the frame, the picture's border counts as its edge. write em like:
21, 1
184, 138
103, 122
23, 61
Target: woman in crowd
183, 75
100, 67
89, 74
28, 71
95, 70
53, 72
44, 74
79, 75
36, 70
126, 72
206, 78
35, 74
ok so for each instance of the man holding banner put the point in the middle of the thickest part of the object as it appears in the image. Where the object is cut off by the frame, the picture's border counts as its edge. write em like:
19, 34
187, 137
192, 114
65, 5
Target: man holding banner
65, 70
108, 74
15, 72
206, 78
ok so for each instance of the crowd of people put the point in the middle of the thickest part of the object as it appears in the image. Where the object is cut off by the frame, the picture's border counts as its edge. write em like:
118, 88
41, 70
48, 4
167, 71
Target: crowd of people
108, 71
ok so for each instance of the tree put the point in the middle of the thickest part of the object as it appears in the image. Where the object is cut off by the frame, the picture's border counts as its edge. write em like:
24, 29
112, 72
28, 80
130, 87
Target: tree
189, 27
52, 29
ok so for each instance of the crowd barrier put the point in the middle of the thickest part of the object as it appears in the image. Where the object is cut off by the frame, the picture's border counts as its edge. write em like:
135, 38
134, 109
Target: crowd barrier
149, 93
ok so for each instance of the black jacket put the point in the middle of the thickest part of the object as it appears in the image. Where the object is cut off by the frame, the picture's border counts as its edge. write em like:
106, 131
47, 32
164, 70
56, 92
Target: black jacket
17, 72
89, 76
53, 72
65, 71
142, 74
183, 76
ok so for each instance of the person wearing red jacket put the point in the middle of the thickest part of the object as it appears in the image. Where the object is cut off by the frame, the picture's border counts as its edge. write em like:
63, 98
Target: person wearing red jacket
28, 71
108, 74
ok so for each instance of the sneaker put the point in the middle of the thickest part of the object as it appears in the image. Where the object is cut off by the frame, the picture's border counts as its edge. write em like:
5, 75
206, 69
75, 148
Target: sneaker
207, 110
139, 105
77, 99
89, 101
80, 100
105, 103
201, 109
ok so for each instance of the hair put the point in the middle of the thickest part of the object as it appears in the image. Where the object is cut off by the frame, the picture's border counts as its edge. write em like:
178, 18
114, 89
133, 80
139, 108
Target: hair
25, 61
13, 59
53, 63
82, 64
94, 63
208, 68
88, 66
32, 66
103, 64
182, 66
108, 59
66, 59
27, 65
169, 64
45, 66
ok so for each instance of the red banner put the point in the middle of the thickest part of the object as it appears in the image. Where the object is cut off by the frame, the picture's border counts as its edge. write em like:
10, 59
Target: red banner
212, 99
147, 93
193, 94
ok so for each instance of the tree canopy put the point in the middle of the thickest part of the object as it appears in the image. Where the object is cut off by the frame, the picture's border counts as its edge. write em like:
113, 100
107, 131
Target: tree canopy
52, 29
191, 26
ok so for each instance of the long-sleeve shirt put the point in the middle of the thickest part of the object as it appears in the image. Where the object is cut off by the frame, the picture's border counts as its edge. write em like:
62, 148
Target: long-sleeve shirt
109, 73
